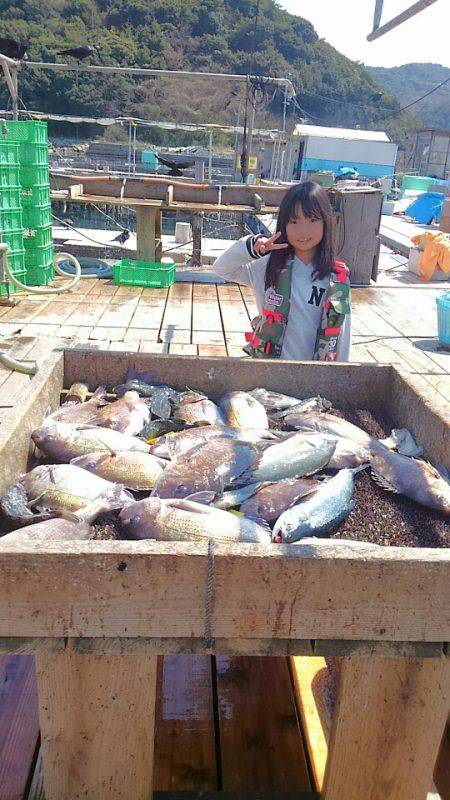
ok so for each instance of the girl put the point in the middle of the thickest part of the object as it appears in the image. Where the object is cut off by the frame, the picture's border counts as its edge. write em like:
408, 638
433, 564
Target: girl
302, 293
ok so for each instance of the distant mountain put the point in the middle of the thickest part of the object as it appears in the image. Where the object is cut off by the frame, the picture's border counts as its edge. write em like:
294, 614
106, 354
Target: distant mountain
411, 81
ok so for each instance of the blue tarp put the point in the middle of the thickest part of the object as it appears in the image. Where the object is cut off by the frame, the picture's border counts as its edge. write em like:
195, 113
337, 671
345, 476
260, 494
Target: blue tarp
426, 207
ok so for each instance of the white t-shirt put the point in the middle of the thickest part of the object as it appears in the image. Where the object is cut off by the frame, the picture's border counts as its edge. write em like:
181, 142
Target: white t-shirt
307, 296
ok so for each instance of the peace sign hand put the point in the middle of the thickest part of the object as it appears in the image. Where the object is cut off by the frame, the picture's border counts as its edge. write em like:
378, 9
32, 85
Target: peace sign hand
263, 246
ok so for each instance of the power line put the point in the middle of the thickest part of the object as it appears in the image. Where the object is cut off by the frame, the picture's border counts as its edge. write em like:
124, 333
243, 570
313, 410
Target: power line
447, 80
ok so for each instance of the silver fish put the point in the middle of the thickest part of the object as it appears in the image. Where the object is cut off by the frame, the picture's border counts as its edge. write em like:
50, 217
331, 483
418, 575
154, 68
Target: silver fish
80, 413
273, 401
272, 499
234, 497
329, 424
175, 445
65, 441
196, 409
184, 520
348, 455
63, 486
241, 410
317, 404
135, 470
300, 455
320, 512
128, 415
214, 466
412, 477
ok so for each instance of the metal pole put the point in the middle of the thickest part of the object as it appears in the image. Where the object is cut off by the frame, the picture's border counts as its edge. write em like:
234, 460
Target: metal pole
405, 15
210, 157
129, 148
250, 138
15, 98
134, 147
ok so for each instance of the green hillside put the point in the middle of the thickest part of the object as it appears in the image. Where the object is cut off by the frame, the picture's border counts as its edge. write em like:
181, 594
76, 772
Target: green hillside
411, 81
205, 35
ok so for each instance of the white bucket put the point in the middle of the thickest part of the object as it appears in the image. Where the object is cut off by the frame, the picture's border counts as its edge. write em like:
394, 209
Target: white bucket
182, 233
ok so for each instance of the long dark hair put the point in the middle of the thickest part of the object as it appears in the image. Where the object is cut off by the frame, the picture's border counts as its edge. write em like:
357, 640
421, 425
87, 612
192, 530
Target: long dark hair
314, 202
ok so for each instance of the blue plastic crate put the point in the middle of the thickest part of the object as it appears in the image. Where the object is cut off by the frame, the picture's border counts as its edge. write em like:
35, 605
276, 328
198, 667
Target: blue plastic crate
443, 315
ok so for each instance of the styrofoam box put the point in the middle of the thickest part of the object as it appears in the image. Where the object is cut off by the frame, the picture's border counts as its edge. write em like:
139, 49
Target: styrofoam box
413, 266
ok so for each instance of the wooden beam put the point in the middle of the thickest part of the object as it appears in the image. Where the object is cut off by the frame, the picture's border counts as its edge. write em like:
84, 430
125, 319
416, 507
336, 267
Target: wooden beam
420, 5
97, 718
133, 589
146, 233
387, 728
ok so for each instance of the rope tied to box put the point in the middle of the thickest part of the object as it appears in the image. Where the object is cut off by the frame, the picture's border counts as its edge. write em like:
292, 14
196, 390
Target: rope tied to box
209, 599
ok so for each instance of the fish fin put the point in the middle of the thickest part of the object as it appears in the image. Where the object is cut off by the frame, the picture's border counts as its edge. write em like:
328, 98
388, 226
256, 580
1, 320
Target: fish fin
443, 472
67, 515
253, 515
184, 504
383, 483
361, 467
205, 497
35, 500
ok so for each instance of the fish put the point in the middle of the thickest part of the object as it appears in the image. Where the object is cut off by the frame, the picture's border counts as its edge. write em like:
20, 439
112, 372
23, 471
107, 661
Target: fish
185, 520
64, 487
273, 401
78, 527
241, 410
128, 414
296, 457
158, 427
412, 477
234, 497
269, 502
65, 441
174, 446
14, 506
318, 513
193, 408
134, 385
317, 404
328, 424
212, 467
135, 470
79, 412
348, 454
160, 401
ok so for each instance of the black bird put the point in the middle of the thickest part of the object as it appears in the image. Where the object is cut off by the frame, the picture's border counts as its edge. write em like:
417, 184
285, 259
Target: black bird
176, 167
80, 53
122, 237
13, 49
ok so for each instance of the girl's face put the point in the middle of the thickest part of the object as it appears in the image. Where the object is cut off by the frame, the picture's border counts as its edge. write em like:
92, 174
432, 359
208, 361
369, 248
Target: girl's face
304, 233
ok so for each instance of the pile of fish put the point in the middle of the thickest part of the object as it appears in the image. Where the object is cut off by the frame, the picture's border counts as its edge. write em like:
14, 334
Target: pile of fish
172, 465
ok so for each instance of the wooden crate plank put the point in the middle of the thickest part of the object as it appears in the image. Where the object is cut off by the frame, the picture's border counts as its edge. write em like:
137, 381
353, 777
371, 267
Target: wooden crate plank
97, 724
185, 753
147, 346
182, 349
205, 308
177, 313
19, 724
214, 350
406, 699
316, 682
233, 309
261, 745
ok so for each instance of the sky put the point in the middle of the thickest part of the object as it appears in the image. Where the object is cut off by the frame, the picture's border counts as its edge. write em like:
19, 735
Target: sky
346, 23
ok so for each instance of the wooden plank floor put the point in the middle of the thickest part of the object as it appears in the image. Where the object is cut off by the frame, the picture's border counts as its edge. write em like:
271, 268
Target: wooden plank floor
226, 725
392, 324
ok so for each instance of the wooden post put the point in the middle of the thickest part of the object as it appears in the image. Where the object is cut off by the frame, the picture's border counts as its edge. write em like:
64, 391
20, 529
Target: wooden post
97, 725
387, 728
197, 230
146, 233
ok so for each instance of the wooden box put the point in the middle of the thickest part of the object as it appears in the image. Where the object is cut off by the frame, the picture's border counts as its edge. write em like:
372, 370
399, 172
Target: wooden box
97, 613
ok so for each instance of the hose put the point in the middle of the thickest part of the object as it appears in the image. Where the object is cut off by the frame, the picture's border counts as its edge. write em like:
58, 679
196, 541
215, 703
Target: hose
8, 361
45, 289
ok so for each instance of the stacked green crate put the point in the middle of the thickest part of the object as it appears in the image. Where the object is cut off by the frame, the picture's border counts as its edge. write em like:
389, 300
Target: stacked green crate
11, 223
31, 136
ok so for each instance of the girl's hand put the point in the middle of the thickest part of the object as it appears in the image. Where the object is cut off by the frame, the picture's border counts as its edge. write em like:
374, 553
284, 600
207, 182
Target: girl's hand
263, 246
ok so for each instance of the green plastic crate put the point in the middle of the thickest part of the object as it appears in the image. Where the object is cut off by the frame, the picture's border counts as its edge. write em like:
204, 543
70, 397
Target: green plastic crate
37, 237
10, 197
33, 175
9, 177
11, 219
16, 262
39, 276
37, 257
37, 195
9, 154
28, 130
12, 288
13, 238
142, 273
37, 216
33, 154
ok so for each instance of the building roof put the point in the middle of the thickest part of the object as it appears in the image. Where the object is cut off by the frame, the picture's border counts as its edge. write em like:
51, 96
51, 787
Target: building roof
340, 133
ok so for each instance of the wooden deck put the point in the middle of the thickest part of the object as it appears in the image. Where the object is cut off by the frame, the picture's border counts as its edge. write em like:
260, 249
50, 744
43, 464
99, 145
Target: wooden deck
393, 323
